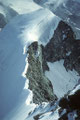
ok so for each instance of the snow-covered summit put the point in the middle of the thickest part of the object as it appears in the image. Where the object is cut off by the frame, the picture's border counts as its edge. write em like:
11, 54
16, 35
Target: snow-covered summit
17, 35
32, 23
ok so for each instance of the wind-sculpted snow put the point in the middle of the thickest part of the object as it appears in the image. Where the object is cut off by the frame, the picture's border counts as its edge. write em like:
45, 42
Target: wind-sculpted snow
17, 35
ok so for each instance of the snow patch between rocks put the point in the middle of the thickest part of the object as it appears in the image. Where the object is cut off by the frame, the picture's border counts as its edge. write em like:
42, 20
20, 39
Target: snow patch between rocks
62, 80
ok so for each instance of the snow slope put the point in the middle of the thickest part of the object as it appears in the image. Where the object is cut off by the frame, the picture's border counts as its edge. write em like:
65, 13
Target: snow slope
9, 9
33, 24
15, 37
7, 12
45, 111
21, 6
62, 80
68, 10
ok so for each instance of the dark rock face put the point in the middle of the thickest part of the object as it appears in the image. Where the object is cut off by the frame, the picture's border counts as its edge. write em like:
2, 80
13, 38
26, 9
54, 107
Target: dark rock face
37, 117
71, 103
63, 45
78, 115
40, 85
73, 60
2, 21
74, 100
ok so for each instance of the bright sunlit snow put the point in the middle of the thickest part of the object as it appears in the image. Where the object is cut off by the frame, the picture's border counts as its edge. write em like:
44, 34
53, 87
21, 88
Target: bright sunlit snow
14, 40
33, 23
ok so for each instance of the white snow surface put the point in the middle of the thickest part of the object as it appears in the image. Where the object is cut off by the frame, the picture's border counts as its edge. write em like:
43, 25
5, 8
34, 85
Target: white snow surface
62, 80
46, 112
21, 6
50, 116
14, 40
33, 24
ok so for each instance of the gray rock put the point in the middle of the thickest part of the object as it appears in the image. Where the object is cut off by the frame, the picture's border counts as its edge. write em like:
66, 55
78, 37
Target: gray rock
40, 85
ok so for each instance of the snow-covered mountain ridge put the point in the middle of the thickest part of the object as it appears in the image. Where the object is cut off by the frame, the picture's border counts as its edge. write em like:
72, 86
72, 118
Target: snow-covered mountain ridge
15, 37
37, 54
68, 10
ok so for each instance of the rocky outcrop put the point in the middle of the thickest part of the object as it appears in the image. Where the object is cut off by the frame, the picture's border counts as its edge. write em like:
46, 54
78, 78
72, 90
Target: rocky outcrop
71, 101
72, 106
40, 85
2, 21
63, 45
73, 60
67, 108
